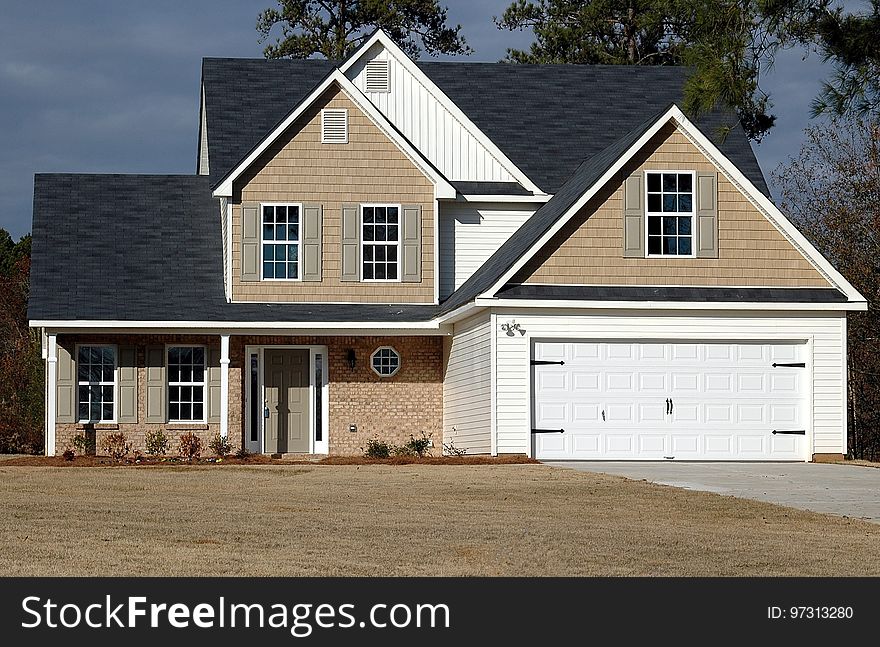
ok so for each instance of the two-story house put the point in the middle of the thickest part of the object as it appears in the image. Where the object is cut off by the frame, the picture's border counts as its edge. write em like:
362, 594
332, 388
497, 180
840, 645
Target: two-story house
549, 260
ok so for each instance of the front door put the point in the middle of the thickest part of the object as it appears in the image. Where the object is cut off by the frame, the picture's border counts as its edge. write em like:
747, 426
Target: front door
287, 397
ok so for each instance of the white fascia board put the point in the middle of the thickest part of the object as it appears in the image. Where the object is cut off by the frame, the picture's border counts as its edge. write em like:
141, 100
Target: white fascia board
442, 187
762, 202
526, 199
570, 304
420, 327
386, 42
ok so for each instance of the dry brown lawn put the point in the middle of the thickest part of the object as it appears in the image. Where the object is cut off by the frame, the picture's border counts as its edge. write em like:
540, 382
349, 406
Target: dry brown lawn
404, 520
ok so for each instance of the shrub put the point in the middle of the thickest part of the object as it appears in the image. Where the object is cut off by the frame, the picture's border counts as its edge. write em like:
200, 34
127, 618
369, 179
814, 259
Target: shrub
84, 445
156, 442
221, 446
414, 446
449, 449
242, 454
378, 449
68, 454
189, 446
116, 446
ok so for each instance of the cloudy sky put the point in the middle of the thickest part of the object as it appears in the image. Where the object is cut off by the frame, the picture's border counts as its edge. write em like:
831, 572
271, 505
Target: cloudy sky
109, 86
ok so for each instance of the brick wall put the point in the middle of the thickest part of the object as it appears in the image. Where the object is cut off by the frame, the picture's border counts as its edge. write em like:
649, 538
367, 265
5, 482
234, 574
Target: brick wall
392, 408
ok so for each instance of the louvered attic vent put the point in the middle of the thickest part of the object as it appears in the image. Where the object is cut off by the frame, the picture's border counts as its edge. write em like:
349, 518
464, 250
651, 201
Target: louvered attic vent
378, 77
334, 126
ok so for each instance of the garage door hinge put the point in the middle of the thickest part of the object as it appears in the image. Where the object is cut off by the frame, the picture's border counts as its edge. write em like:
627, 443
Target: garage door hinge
791, 364
793, 432
545, 362
548, 431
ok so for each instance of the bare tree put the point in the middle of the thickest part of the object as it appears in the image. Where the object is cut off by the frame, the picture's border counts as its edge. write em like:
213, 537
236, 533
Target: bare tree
831, 190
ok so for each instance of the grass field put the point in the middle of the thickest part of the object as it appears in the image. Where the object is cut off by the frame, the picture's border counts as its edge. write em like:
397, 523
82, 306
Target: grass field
405, 520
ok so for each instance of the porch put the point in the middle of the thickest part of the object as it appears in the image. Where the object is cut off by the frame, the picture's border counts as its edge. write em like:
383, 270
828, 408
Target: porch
307, 395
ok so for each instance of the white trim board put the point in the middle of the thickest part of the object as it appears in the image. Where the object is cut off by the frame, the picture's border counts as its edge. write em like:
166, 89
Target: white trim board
386, 42
730, 171
442, 187
668, 305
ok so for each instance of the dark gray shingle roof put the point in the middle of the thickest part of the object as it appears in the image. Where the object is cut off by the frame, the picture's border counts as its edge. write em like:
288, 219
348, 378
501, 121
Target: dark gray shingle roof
546, 118
693, 294
246, 98
148, 248
549, 118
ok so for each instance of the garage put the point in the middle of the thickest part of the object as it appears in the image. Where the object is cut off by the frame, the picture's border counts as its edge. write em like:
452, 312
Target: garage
670, 400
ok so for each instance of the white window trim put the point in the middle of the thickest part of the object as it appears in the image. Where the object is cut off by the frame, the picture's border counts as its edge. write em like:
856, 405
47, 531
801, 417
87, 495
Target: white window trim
692, 214
393, 350
115, 384
263, 241
204, 384
373, 244
344, 112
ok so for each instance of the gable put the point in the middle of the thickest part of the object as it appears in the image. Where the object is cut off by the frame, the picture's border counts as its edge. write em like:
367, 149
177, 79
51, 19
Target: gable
444, 138
588, 249
370, 168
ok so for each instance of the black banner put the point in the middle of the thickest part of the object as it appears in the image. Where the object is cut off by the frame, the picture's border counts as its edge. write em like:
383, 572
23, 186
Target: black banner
325, 611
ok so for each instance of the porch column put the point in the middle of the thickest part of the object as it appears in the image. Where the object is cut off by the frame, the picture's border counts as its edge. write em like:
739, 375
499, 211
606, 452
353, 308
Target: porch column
224, 385
51, 393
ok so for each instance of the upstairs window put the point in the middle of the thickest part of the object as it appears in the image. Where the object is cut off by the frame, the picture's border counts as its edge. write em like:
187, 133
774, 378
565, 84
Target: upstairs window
96, 382
334, 126
380, 242
670, 213
281, 241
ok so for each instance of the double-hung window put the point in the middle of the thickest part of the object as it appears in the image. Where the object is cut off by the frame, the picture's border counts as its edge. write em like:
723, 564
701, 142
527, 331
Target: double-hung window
380, 242
186, 384
670, 213
281, 241
96, 383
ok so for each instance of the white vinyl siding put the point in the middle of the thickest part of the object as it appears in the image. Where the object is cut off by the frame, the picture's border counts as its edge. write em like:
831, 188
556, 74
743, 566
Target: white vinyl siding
431, 128
825, 356
467, 386
470, 233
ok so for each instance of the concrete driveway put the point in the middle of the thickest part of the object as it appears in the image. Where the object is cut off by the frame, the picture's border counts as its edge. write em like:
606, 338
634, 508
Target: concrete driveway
845, 490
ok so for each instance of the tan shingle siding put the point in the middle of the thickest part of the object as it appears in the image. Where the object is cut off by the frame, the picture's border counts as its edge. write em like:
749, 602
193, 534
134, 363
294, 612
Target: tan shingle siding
752, 252
370, 168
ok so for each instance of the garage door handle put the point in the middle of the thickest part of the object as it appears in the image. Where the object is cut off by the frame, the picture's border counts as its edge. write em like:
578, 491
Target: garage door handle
548, 431
791, 364
545, 362
793, 432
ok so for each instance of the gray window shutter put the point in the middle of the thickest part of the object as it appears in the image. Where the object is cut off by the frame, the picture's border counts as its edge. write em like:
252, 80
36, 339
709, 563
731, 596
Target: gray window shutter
633, 216
156, 387
311, 242
250, 242
707, 215
411, 244
213, 384
128, 377
351, 243
65, 380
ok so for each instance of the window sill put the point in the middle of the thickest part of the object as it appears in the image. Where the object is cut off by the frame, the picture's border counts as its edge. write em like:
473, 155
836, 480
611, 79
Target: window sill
184, 426
100, 426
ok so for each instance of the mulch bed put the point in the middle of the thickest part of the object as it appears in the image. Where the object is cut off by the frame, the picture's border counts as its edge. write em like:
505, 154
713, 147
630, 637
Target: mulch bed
262, 459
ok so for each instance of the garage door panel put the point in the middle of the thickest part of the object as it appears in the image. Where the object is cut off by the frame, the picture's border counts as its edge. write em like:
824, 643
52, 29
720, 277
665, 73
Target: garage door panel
584, 382
727, 400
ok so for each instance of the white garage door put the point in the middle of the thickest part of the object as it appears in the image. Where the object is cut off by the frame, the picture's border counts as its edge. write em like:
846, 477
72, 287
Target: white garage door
661, 401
